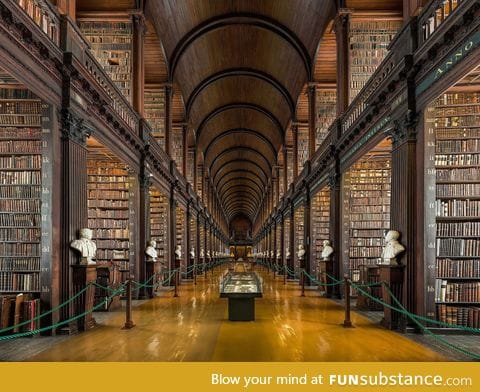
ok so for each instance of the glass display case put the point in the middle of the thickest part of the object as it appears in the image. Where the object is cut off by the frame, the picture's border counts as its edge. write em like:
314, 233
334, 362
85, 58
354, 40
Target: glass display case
241, 289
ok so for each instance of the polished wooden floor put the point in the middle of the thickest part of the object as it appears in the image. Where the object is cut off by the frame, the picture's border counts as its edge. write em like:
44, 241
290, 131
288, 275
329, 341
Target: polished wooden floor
194, 327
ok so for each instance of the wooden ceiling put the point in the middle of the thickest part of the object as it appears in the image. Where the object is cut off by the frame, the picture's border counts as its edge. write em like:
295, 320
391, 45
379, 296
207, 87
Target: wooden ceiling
240, 65
239, 70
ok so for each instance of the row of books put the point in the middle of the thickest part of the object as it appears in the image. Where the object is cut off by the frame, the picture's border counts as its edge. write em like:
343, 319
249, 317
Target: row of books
21, 162
447, 291
100, 203
369, 209
20, 264
20, 107
458, 99
108, 194
110, 233
15, 234
17, 309
112, 254
19, 219
113, 224
367, 217
371, 251
451, 247
91, 27
458, 229
111, 244
30, 205
456, 111
367, 241
459, 208
371, 200
20, 146
19, 133
457, 268
11, 281
19, 119
465, 146
469, 174
458, 190
457, 121
449, 134
371, 174
20, 192
19, 249
368, 233
116, 179
380, 186
358, 262
457, 159
111, 39
459, 315
20, 178
108, 214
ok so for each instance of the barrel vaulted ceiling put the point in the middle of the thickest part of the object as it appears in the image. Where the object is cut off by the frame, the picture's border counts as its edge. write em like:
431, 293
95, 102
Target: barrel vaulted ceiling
240, 66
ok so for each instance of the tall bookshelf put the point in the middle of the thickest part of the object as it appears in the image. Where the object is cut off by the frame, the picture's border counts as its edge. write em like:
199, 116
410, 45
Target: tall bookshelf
302, 147
199, 181
326, 103
109, 210
202, 241
281, 180
154, 112
177, 146
286, 239
20, 206
158, 223
366, 212
289, 166
193, 235
111, 44
320, 211
368, 43
455, 119
299, 232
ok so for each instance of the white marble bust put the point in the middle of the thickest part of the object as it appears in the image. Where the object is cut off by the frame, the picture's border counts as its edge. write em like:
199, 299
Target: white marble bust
327, 250
271, 254
208, 254
287, 252
151, 252
85, 246
392, 248
192, 253
279, 255
178, 252
202, 253
301, 252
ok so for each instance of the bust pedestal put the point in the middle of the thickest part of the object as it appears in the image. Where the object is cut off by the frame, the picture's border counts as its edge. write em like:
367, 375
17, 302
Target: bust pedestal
149, 272
393, 276
83, 275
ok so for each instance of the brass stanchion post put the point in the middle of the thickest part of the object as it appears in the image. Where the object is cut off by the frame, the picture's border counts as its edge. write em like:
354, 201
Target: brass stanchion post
347, 323
302, 277
129, 324
177, 273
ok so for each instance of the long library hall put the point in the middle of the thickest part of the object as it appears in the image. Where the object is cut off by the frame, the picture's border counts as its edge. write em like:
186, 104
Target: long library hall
238, 180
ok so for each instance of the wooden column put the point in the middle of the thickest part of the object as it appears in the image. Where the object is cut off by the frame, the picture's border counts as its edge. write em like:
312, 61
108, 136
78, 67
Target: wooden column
185, 149
277, 184
73, 209
143, 231
312, 117
138, 63
292, 236
188, 240
282, 241
307, 241
404, 216
295, 150
341, 26
285, 170
172, 223
168, 119
333, 267
195, 188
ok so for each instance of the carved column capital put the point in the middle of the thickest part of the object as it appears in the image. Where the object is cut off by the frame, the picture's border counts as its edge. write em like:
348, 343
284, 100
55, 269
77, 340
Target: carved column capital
404, 129
74, 128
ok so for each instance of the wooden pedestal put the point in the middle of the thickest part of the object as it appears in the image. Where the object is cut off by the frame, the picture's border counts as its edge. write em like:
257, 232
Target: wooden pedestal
83, 275
149, 272
393, 276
